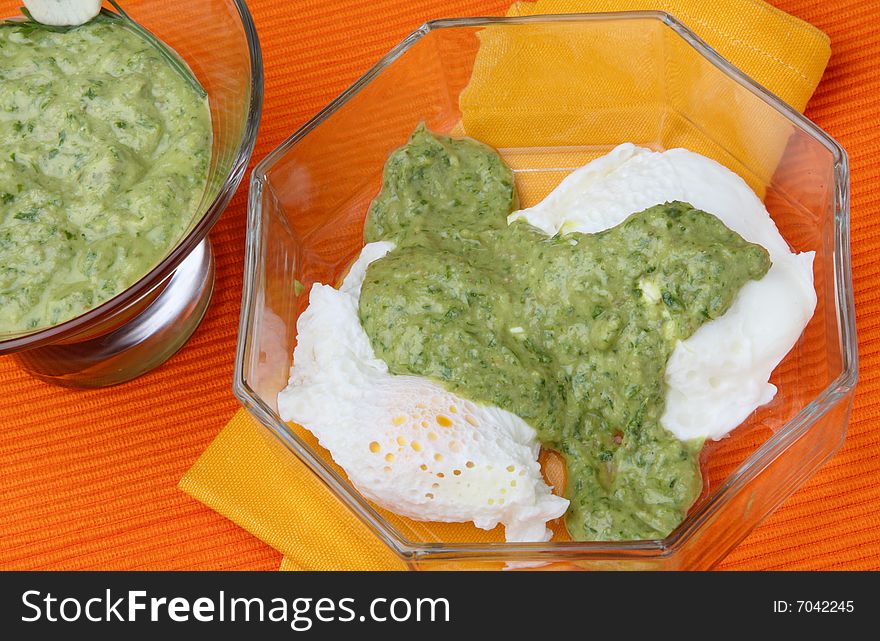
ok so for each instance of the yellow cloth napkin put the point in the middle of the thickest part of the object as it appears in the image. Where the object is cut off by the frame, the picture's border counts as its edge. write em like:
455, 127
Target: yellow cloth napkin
249, 478
783, 53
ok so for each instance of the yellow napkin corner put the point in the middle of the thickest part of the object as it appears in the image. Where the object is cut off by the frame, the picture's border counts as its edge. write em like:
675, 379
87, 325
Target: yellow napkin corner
783, 53
260, 486
265, 490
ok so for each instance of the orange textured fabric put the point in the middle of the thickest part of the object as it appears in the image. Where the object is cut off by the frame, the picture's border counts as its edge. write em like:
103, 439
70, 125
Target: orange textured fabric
89, 479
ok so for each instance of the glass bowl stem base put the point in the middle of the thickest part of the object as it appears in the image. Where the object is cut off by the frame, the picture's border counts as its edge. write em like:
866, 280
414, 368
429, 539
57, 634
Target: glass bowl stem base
139, 344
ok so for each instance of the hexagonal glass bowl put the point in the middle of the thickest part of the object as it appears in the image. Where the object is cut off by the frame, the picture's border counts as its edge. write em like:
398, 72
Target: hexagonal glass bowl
551, 93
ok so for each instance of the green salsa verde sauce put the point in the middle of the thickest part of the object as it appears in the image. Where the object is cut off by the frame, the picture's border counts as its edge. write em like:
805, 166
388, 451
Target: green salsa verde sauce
104, 154
572, 333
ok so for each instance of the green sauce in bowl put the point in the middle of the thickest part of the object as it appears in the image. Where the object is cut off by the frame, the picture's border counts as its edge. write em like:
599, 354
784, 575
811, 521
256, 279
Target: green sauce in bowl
571, 333
104, 155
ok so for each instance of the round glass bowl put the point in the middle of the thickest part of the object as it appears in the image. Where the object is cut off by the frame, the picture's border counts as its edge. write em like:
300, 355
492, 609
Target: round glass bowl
551, 93
144, 325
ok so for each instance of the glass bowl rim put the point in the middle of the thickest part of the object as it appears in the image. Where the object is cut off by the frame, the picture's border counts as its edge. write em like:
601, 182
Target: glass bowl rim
18, 341
408, 550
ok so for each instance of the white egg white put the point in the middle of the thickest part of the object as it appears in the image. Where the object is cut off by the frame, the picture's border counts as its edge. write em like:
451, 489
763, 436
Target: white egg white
719, 375
404, 441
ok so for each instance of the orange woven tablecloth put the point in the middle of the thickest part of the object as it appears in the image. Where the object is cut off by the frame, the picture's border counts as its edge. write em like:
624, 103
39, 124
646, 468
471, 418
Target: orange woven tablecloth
88, 480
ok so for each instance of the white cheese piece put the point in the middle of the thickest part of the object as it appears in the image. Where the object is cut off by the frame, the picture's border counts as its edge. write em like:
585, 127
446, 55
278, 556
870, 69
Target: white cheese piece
63, 13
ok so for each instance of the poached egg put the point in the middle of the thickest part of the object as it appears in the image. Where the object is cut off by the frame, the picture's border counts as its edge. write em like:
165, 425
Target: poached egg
421, 451
721, 373
405, 442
